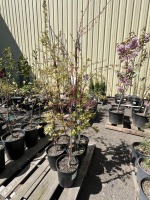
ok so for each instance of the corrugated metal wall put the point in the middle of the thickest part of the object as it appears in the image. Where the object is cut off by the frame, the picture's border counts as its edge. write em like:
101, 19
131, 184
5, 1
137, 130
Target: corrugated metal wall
23, 19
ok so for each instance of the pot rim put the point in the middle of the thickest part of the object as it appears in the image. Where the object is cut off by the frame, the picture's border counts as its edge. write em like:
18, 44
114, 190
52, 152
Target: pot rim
66, 155
3, 137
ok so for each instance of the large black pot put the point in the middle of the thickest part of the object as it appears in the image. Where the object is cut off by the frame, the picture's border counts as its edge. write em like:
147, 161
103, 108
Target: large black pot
140, 120
116, 117
141, 173
14, 146
31, 135
66, 178
2, 157
142, 195
135, 154
52, 158
135, 101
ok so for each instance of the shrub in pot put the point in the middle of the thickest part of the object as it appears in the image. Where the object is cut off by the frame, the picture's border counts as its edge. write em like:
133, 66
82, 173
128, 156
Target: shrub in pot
140, 149
132, 53
2, 157
143, 168
145, 189
14, 143
55, 149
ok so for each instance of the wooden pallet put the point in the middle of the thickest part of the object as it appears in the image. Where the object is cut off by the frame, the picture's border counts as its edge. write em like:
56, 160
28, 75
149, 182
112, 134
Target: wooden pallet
128, 128
30, 177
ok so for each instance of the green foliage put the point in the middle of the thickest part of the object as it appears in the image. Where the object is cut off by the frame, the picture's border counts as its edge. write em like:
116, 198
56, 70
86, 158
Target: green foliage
24, 68
91, 86
145, 146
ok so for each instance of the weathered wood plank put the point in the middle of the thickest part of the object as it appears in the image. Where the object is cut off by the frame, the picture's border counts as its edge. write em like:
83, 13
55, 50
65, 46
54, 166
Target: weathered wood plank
22, 175
72, 193
127, 131
49, 183
13, 166
31, 183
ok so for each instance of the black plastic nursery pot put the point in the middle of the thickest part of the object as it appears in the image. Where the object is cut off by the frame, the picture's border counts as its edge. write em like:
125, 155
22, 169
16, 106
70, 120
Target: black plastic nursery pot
135, 154
140, 120
116, 117
84, 140
118, 98
42, 123
2, 157
142, 194
31, 134
67, 175
54, 155
3, 128
79, 153
14, 145
141, 172
135, 101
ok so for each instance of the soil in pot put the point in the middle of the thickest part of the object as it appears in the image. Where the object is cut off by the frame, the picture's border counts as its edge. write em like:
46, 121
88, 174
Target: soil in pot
143, 168
146, 165
31, 134
53, 153
67, 171
2, 157
146, 188
63, 140
14, 144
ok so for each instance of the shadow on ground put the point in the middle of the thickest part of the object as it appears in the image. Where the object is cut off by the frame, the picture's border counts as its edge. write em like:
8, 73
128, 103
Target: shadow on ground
119, 156
110, 162
92, 183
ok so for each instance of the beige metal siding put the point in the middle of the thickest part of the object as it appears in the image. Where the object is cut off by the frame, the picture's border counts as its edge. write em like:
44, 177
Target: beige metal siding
24, 22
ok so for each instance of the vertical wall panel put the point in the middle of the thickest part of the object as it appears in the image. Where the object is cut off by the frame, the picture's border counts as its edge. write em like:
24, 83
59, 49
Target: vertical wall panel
23, 19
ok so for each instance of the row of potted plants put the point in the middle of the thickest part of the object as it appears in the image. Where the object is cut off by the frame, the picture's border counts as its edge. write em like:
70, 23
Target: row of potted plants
132, 54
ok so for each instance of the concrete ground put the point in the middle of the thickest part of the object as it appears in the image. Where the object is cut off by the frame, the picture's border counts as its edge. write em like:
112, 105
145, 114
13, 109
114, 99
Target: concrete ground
109, 176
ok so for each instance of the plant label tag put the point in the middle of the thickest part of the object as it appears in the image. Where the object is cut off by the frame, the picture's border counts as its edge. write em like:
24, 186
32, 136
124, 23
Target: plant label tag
74, 175
3, 127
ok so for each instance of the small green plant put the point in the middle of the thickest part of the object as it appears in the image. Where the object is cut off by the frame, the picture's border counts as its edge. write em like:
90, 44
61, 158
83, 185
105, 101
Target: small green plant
144, 146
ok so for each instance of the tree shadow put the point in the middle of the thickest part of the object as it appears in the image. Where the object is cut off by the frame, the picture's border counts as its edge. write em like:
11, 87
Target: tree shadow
111, 160
98, 117
92, 183
119, 156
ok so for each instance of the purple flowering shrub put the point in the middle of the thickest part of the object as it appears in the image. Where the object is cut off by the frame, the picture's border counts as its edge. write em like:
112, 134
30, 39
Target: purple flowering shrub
132, 53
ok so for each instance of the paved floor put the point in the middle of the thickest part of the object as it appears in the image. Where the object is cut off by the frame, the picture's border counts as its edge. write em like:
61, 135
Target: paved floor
109, 176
